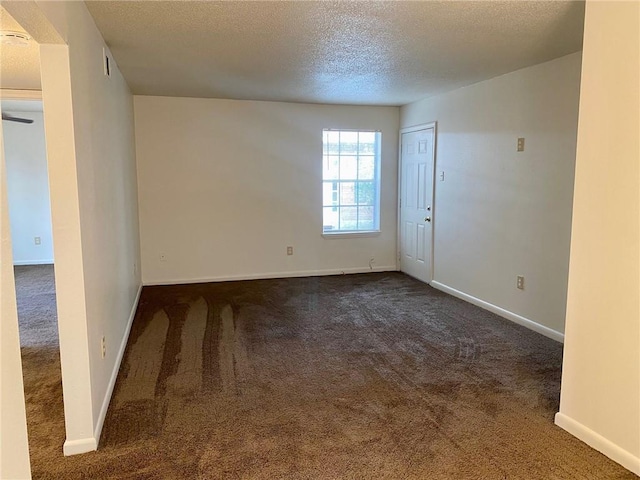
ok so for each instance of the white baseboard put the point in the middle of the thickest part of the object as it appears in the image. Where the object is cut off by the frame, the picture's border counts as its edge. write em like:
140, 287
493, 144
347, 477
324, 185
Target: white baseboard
514, 317
264, 276
598, 442
116, 368
33, 262
84, 445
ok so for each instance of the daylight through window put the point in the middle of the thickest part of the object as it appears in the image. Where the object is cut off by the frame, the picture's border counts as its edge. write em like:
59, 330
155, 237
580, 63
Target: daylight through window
350, 181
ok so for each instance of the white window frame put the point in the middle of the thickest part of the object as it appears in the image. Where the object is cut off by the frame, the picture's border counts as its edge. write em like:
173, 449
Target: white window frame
336, 205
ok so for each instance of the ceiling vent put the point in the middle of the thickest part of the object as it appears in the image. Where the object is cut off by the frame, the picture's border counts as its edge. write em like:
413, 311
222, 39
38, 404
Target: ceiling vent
8, 37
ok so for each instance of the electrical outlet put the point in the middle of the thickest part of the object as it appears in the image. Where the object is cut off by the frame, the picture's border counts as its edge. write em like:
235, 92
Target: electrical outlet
521, 144
442, 176
103, 347
289, 250
135, 268
520, 282
163, 257
37, 240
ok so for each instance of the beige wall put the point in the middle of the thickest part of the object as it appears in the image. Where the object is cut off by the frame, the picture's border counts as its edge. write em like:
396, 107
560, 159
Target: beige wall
226, 185
600, 399
500, 213
14, 451
91, 149
65, 215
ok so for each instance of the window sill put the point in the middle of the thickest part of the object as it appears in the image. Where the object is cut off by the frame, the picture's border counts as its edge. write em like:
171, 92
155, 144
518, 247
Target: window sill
336, 235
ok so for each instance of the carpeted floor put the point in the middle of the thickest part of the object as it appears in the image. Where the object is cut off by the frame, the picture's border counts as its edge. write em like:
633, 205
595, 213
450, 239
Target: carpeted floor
372, 376
37, 317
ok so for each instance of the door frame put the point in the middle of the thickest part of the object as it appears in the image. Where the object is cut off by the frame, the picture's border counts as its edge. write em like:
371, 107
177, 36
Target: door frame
411, 129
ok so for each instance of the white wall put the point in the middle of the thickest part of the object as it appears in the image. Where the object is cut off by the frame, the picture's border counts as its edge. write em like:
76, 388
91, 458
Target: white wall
500, 213
28, 189
65, 215
600, 399
107, 193
226, 185
91, 155
14, 450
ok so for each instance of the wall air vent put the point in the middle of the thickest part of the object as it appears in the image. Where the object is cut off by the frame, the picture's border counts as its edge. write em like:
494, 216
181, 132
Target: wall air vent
106, 55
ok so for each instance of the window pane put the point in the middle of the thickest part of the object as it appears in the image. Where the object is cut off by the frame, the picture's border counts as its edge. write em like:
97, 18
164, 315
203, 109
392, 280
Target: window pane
328, 194
366, 193
331, 143
367, 144
330, 219
351, 180
348, 143
347, 193
348, 168
366, 168
365, 218
330, 167
348, 218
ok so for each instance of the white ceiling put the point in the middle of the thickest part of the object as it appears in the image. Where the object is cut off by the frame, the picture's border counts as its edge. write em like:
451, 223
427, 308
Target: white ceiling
386, 53
19, 66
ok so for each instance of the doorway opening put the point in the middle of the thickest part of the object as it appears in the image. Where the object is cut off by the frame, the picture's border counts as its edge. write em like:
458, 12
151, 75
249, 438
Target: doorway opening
29, 208
33, 260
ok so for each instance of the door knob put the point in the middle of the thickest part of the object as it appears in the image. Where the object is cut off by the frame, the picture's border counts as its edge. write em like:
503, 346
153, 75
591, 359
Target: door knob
427, 219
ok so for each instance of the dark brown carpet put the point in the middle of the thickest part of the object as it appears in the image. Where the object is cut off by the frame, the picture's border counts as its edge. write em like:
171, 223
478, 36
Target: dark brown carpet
37, 318
355, 377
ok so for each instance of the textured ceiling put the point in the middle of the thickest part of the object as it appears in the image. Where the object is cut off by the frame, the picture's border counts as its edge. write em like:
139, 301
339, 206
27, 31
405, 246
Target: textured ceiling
385, 53
19, 66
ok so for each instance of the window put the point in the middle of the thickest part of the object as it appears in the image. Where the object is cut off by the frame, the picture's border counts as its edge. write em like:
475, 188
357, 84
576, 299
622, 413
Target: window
350, 181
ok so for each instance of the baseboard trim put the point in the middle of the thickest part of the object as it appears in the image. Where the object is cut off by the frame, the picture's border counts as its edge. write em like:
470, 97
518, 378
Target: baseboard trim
514, 317
265, 276
21, 263
598, 442
82, 445
116, 368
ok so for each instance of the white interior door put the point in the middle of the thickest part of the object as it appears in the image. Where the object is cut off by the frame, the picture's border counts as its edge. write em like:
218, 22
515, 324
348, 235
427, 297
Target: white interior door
416, 202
